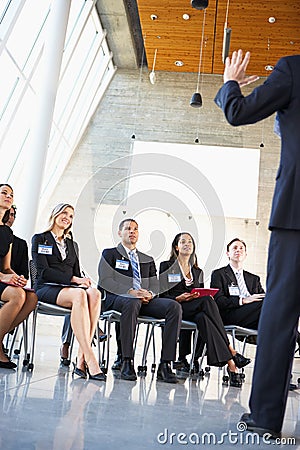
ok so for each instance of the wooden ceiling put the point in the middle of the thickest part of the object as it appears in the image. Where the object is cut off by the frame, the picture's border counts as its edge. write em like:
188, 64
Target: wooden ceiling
177, 39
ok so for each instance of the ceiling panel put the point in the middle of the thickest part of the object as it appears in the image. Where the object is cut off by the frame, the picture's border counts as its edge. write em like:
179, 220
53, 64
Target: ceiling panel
177, 39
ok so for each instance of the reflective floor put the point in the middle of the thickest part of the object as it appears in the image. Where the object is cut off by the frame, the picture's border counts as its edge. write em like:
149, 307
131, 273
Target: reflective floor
48, 409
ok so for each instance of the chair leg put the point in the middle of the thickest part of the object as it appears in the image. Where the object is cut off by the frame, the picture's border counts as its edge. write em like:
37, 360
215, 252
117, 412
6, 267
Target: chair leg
142, 369
195, 339
34, 322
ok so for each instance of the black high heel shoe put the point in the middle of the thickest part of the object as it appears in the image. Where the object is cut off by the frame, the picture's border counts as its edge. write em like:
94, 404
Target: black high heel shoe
76, 371
234, 378
7, 365
240, 360
98, 376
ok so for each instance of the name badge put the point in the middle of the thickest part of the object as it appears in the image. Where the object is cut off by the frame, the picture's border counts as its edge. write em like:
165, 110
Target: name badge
234, 290
122, 264
45, 249
174, 277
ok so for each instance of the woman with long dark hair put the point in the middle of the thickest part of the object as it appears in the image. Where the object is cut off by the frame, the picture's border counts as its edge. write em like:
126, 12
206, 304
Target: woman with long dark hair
59, 282
17, 302
178, 276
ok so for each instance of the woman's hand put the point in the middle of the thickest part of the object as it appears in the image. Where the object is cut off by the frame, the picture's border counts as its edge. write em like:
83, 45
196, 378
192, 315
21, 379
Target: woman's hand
186, 297
84, 281
14, 279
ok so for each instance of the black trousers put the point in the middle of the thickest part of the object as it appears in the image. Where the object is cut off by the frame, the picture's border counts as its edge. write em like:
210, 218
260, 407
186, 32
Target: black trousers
160, 308
205, 313
277, 331
245, 316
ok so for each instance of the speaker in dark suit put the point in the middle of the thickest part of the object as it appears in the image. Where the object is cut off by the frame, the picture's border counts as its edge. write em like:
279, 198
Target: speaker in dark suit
281, 308
130, 282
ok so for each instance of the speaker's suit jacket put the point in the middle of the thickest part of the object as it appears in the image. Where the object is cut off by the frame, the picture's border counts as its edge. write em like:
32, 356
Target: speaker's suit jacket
52, 268
281, 93
281, 309
19, 257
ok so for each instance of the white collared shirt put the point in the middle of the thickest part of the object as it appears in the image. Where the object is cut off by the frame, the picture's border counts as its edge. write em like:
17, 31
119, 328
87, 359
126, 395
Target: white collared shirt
61, 245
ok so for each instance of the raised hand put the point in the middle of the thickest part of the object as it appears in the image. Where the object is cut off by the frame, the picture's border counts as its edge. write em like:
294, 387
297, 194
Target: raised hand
235, 69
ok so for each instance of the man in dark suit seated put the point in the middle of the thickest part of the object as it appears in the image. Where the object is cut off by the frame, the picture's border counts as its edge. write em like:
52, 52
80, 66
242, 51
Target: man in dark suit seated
240, 292
130, 282
19, 254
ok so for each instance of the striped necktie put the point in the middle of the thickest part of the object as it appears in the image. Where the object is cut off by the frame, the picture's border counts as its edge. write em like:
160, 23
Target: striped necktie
242, 285
136, 283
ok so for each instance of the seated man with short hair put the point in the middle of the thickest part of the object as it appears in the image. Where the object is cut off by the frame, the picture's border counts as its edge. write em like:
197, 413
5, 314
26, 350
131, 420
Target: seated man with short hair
240, 292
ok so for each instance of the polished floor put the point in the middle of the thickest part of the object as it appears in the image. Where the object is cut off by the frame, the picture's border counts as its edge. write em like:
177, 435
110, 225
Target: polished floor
48, 409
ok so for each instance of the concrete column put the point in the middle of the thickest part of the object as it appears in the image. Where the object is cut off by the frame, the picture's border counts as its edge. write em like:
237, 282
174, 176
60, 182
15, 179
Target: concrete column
41, 125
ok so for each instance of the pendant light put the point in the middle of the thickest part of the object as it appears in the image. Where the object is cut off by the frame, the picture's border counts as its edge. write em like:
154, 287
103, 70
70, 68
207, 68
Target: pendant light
152, 75
196, 100
199, 4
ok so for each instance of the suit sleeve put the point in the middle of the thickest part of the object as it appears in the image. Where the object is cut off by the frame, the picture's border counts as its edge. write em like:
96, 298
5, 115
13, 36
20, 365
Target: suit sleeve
24, 264
266, 99
109, 279
223, 299
163, 281
76, 268
153, 284
258, 287
44, 269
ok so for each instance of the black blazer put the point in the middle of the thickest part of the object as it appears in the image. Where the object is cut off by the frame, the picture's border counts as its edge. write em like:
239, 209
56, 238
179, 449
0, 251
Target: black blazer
118, 281
223, 278
280, 92
19, 257
171, 289
51, 268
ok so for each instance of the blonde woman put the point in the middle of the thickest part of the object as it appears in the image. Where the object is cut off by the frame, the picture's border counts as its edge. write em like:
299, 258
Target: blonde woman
59, 282
18, 303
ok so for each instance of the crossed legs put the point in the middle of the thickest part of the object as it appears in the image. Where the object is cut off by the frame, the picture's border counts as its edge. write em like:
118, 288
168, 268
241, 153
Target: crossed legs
85, 310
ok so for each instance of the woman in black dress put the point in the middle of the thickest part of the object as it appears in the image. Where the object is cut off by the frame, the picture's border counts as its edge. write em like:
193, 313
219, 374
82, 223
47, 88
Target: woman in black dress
17, 303
178, 276
59, 281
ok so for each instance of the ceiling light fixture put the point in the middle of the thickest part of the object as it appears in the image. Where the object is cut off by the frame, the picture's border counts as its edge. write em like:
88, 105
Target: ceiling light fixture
199, 4
196, 100
152, 75
179, 63
226, 37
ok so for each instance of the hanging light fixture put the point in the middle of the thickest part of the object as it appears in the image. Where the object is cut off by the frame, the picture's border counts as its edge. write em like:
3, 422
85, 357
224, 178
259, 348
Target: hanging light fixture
226, 37
196, 100
152, 75
199, 4
133, 136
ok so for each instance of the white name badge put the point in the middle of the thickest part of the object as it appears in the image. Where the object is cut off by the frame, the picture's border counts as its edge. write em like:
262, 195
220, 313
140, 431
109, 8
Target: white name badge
122, 264
234, 290
174, 277
45, 249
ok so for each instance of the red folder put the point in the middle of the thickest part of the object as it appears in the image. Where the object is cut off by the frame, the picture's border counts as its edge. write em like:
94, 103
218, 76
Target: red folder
205, 291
